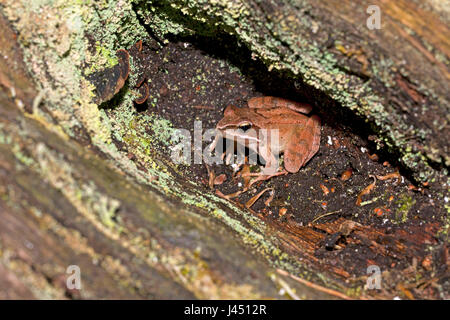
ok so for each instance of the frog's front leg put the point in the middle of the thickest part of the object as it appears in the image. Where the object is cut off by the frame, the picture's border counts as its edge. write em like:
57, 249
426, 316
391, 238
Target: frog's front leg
217, 138
270, 168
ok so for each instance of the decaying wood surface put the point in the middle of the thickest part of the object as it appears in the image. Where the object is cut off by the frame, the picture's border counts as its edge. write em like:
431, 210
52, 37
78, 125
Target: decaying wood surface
66, 199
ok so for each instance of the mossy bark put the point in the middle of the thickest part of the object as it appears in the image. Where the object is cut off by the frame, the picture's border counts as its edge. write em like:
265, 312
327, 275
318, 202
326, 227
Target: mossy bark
69, 197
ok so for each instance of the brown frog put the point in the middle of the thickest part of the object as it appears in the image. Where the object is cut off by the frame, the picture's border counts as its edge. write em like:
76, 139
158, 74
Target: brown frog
298, 134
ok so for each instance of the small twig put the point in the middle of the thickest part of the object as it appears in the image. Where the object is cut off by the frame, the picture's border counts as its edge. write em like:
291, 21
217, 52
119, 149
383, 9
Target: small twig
392, 175
269, 200
315, 286
286, 288
37, 100
229, 196
211, 177
366, 190
256, 197
203, 107
325, 215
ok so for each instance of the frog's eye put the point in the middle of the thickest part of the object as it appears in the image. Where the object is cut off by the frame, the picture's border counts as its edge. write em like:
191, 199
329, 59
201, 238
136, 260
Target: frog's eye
245, 126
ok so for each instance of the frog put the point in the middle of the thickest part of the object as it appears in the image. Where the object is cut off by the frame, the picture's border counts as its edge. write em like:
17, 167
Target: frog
298, 133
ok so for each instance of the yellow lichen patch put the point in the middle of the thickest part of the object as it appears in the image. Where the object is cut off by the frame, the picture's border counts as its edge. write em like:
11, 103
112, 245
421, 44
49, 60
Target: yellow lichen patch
89, 115
101, 59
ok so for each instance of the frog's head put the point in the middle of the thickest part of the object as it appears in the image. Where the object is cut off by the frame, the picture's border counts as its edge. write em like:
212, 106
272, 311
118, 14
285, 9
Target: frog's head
239, 123
237, 118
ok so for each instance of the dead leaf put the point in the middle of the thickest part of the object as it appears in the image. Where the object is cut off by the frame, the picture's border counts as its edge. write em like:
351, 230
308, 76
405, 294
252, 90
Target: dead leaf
220, 179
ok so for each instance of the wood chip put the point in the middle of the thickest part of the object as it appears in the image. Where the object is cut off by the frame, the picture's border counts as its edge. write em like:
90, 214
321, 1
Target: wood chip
390, 176
220, 179
269, 200
211, 176
245, 173
366, 190
324, 189
346, 174
203, 107
256, 197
